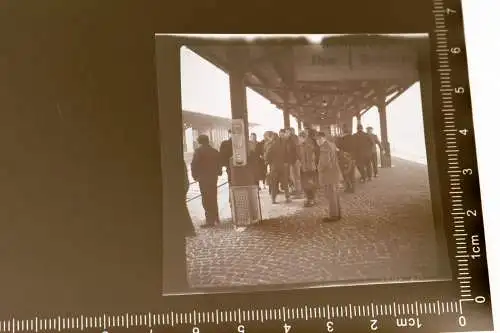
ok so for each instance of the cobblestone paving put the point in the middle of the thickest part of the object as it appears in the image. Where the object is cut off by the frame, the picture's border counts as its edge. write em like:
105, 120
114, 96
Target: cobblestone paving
386, 233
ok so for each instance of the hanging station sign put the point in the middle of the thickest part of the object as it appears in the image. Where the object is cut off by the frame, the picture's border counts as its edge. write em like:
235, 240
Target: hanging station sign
318, 63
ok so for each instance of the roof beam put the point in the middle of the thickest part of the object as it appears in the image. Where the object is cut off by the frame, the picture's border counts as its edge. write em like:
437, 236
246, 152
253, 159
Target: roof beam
316, 118
358, 91
266, 91
310, 98
269, 56
356, 103
299, 90
312, 105
297, 107
265, 83
400, 91
210, 57
286, 74
373, 102
226, 67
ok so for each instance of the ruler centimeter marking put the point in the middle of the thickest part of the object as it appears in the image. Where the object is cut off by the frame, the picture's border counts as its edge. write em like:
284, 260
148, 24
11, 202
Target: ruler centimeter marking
448, 109
239, 316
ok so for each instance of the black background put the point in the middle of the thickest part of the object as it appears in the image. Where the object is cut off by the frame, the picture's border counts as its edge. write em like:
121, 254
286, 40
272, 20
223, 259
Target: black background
80, 173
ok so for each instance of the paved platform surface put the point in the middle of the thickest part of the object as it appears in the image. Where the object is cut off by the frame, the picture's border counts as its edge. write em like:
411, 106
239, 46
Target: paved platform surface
386, 234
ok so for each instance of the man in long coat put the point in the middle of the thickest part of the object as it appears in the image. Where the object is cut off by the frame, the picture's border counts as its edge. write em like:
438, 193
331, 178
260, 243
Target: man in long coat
374, 157
226, 155
275, 156
346, 158
294, 160
206, 169
307, 164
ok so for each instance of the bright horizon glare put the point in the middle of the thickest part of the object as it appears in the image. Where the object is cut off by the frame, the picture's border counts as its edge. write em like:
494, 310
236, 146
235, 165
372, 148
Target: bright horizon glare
205, 89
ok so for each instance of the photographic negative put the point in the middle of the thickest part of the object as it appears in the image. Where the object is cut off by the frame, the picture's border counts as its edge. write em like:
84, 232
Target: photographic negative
305, 164
104, 223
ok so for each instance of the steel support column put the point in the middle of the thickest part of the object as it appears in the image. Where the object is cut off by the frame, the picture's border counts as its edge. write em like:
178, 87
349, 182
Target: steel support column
358, 119
286, 116
299, 125
238, 97
245, 208
385, 158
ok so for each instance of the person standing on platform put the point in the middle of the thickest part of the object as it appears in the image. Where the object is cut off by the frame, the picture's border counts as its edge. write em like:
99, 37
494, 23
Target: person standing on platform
311, 133
329, 176
376, 142
362, 153
346, 159
253, 158
275, 156
206, 169
261, 164
348, 169
282, 137
268, 140
226, 154
293, 140
307, 159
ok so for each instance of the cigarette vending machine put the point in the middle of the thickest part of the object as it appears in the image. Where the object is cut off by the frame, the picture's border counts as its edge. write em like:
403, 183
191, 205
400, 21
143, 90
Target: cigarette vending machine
245, 201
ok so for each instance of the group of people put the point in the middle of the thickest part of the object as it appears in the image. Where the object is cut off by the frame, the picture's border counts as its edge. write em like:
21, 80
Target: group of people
293, 165
358, 151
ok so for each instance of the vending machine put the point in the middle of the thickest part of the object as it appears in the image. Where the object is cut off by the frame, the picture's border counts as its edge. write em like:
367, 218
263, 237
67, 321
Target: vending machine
245, 201
239, 138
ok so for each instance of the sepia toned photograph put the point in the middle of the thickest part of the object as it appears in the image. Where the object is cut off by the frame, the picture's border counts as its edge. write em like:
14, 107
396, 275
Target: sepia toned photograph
305, 165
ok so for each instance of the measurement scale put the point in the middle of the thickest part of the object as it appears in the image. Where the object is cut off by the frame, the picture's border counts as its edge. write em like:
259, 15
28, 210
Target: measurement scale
450, 75
374, 316
468, 232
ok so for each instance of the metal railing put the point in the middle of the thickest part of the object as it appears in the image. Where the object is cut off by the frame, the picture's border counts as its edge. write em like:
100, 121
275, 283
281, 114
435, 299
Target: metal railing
199, 195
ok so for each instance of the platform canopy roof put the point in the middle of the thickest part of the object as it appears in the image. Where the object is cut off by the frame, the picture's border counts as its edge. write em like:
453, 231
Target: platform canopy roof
320, 83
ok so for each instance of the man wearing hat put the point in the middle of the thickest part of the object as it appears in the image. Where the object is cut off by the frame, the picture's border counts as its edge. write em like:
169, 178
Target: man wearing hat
346, 158
226, 155
206, 169
376, 142
362, 153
